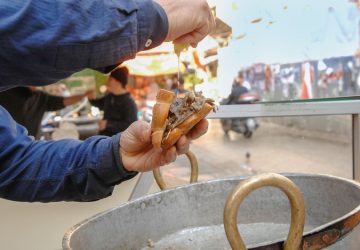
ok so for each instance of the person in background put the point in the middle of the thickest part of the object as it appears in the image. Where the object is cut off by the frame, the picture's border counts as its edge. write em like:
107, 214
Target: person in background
119, 107
182, 89
27, 105
178, 87
168, 83
238, 89
152, 89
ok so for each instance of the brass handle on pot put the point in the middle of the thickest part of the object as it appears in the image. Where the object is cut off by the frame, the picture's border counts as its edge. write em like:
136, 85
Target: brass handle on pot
294, 195
194, 171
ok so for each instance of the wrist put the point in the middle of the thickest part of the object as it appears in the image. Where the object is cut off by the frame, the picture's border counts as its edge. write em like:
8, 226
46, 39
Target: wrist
119, 158
127, 168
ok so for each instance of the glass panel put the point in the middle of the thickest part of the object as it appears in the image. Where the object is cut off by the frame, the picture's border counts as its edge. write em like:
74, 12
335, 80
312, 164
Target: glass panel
287, 144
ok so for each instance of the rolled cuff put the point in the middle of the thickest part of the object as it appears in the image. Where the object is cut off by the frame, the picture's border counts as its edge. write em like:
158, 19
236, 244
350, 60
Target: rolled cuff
153, 24
118, 173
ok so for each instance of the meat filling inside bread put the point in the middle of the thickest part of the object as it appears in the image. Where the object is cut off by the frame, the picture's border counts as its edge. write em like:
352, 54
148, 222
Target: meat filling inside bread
183, 108
174, 117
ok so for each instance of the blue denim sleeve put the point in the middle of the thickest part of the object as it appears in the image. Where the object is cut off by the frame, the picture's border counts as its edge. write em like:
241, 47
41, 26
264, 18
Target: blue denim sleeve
66, 170
43, 41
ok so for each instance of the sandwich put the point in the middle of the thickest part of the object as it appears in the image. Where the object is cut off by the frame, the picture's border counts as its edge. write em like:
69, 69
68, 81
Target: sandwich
175, 116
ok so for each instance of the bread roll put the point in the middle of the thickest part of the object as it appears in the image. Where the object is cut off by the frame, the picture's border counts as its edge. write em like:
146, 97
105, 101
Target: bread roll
184, 127
161, 109
180, 119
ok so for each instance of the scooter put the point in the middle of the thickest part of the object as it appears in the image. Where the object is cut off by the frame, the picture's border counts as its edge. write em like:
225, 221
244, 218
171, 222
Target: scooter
245, 126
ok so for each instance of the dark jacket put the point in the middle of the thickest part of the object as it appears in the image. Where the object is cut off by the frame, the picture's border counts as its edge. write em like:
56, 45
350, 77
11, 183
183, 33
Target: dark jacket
27, 107
119, 111
236, 92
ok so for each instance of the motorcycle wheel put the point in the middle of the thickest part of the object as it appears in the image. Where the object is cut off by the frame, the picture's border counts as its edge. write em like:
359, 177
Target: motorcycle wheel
248, 134
226, 126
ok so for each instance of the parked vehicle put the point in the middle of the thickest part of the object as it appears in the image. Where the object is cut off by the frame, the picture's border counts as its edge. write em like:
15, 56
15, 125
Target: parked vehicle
245, 126
83, 116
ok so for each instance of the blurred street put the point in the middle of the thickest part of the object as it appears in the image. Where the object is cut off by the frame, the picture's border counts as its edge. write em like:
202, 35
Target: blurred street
273, 148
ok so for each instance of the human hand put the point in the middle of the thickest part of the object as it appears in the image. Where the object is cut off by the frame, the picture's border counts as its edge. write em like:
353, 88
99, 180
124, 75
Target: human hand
102, 125
138, 153
189, 20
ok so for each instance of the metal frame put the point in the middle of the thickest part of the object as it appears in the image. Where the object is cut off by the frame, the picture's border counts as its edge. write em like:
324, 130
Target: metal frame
142, 185
283, 109
356, 146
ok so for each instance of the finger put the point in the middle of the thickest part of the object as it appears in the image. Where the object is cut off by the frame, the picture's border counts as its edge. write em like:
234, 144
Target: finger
156, 160
140, 131
198, 130
182, 145
136, 137
170, 155
195, 36
191, 38
162, 158
212, 19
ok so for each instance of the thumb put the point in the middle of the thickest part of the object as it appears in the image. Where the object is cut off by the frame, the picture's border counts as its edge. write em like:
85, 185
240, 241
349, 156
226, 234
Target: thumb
136, 137
139, 131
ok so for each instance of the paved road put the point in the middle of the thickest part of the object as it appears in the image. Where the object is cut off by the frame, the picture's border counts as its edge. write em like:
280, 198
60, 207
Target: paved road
273, 148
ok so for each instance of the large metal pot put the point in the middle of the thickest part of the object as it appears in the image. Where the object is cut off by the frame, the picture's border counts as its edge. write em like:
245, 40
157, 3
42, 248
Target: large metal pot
191, 217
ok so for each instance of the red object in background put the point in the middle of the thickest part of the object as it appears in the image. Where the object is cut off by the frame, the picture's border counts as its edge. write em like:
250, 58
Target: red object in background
197, 60
250, 97
268, 78
304, 91
306, 81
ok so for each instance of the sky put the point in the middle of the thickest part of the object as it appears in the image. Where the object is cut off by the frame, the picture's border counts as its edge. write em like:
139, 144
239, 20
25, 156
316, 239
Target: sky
290, 30
284, 31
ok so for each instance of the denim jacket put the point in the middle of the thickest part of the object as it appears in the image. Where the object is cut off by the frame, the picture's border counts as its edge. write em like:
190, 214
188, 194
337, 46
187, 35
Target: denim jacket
43, 41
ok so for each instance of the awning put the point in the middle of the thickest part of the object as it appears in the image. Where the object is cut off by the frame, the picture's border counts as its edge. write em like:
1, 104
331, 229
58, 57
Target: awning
155, 62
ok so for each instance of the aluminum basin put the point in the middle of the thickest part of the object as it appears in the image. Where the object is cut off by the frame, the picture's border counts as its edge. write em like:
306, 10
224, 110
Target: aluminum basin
191, 217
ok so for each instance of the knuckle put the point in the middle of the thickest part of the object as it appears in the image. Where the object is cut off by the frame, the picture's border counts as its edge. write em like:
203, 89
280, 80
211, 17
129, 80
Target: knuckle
204, 5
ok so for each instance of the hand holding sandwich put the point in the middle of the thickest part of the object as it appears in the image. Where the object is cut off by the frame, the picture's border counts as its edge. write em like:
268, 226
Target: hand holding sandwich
138, 149
138, 153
